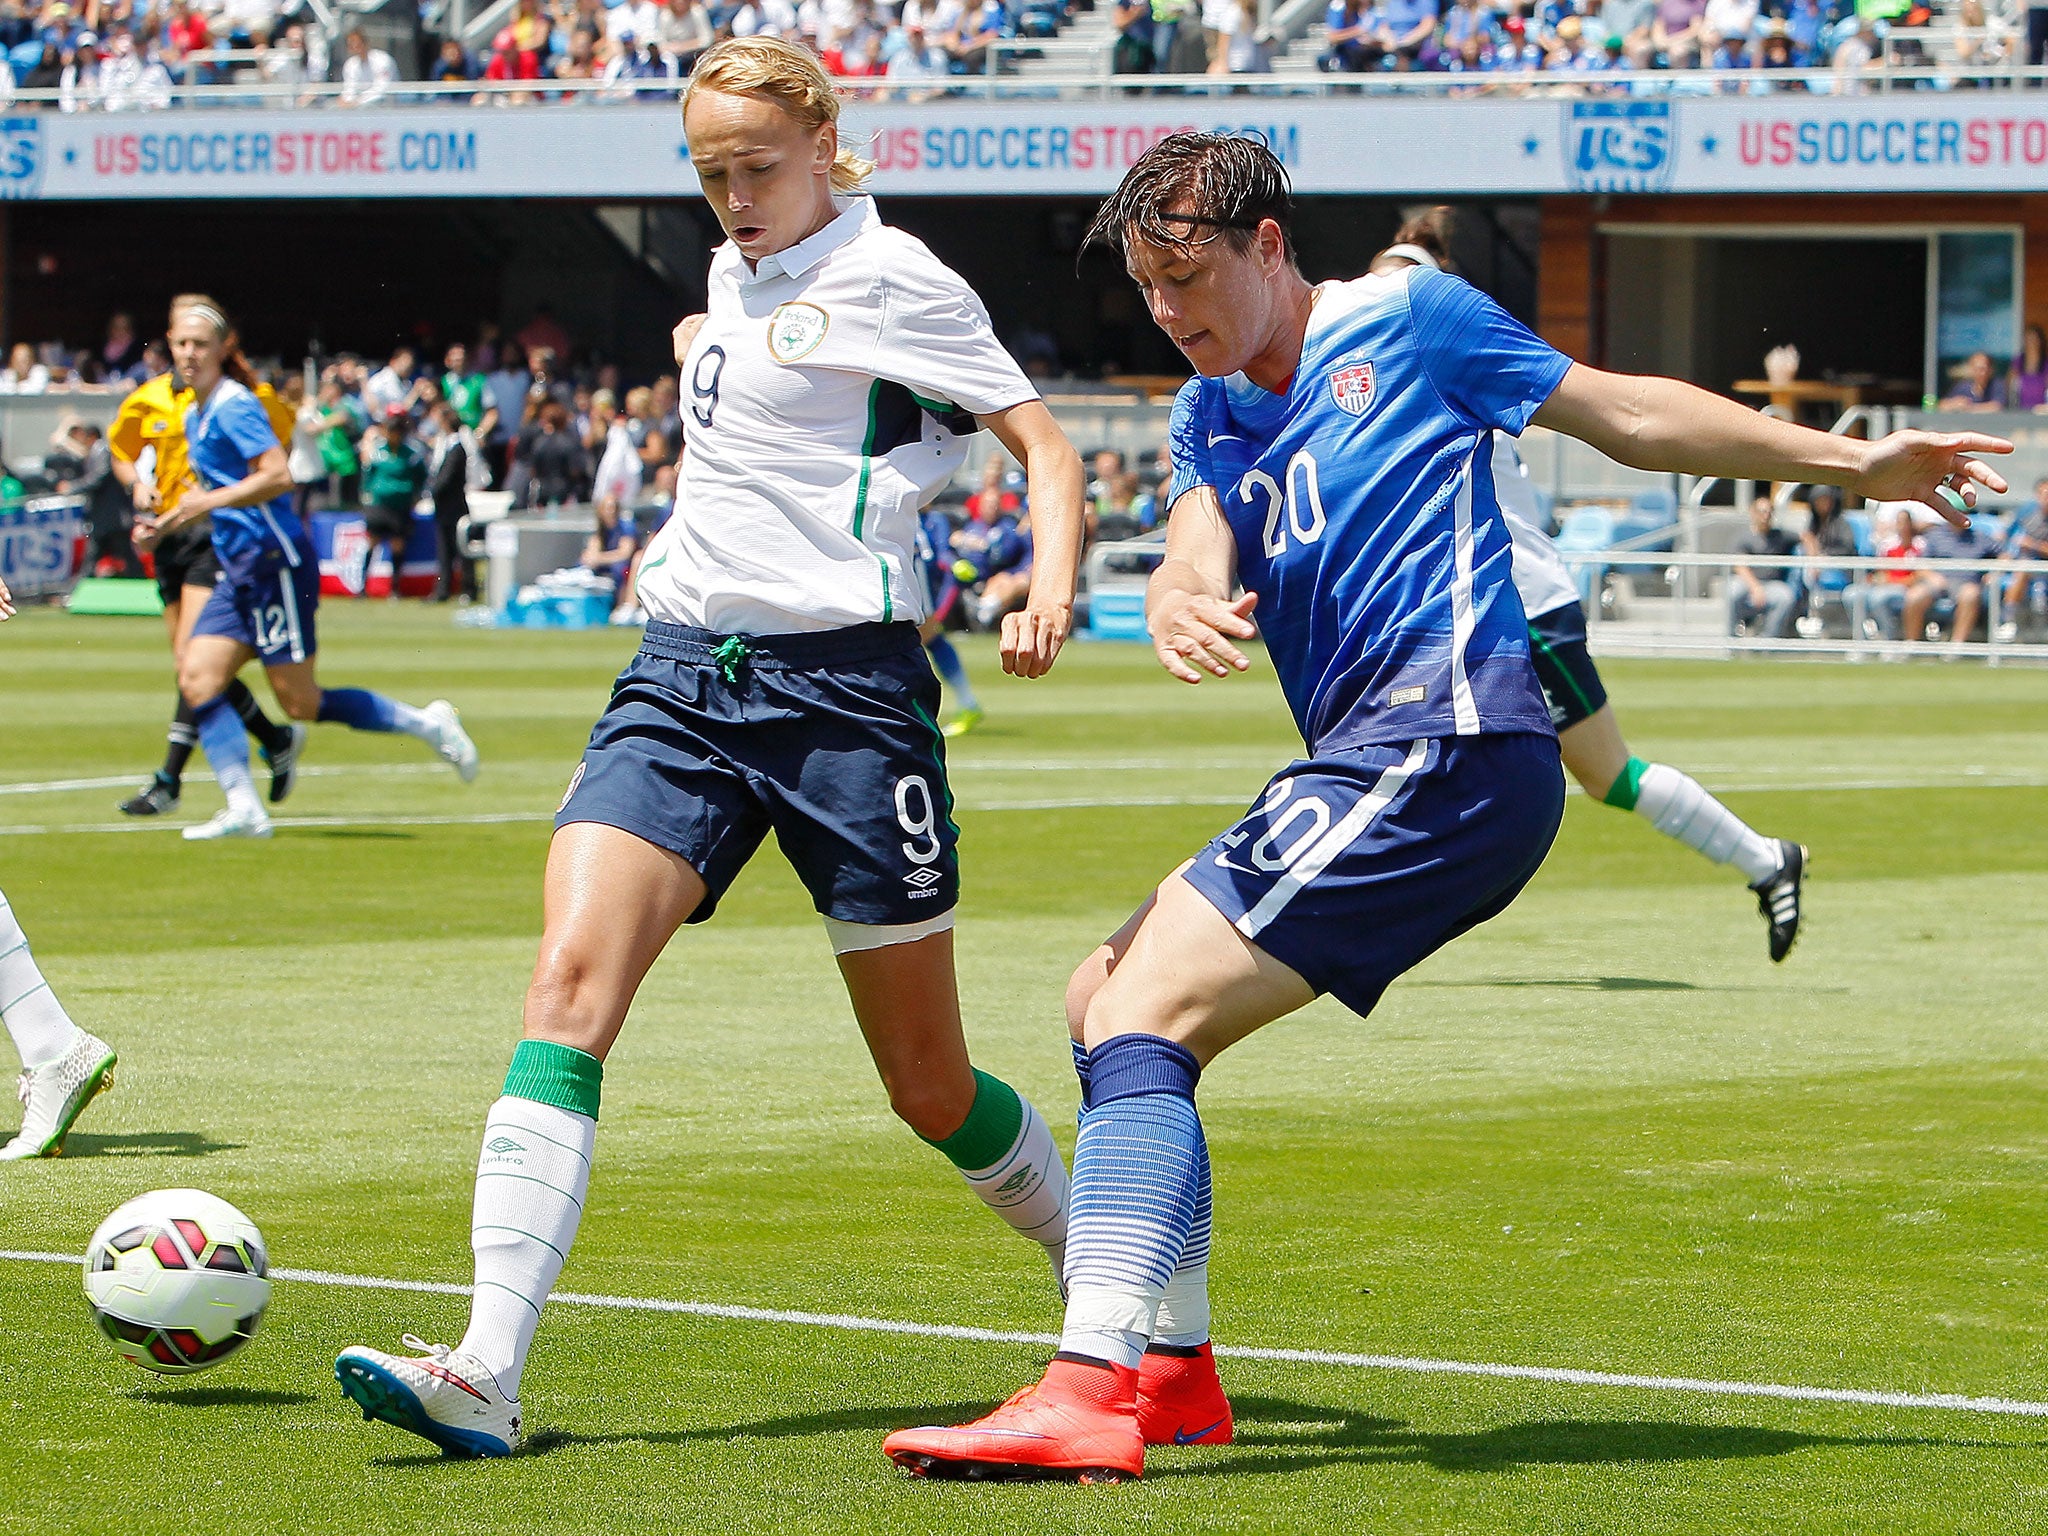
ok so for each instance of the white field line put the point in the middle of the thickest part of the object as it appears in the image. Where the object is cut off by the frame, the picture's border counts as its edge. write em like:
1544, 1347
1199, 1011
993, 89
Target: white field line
1574, 1378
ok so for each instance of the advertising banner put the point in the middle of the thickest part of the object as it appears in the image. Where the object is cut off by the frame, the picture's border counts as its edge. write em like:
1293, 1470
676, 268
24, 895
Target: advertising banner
1906, 141
351, 567
42, 546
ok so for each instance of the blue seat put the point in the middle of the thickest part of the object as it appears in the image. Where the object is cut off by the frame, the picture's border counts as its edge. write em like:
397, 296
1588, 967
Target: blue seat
1587, 528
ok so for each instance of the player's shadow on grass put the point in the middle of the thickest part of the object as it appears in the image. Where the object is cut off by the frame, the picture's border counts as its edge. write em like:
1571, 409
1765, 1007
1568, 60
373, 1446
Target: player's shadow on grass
1606, 984
877, 1420
145, 1144
223, 1397
356, 834
1274, 1435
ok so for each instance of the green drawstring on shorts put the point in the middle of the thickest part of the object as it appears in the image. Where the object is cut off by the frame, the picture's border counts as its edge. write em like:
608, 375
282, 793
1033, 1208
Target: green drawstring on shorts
731, 658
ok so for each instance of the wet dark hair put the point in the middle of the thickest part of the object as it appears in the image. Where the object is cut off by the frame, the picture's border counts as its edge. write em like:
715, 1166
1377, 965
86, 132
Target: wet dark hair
1191, 188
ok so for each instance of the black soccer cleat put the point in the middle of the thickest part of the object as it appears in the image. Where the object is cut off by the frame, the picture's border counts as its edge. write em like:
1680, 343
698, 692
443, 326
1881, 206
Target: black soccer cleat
159, 797
284, 762
1778, 898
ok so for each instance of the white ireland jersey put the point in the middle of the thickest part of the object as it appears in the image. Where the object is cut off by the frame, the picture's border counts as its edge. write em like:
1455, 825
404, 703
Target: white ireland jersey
1542, 580
827, 398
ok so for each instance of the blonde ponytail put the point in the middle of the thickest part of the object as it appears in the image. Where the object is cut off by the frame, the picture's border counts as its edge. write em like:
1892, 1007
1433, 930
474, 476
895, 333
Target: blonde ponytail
772, 70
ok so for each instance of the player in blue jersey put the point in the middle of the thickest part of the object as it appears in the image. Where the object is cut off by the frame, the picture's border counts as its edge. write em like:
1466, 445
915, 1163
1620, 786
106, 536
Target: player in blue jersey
1333, 457
270, 580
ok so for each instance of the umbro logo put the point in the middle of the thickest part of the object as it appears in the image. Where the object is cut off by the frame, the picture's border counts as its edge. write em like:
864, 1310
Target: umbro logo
502, 1144
1017, 1180
919, 879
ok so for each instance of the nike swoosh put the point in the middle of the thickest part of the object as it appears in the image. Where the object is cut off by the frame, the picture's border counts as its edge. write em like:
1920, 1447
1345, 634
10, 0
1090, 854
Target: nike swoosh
1223, 437
1182, 1437
1015, 1434
1223, 862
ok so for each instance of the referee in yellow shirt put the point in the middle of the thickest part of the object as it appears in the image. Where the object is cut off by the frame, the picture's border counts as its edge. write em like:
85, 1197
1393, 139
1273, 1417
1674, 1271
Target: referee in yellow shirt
148, 443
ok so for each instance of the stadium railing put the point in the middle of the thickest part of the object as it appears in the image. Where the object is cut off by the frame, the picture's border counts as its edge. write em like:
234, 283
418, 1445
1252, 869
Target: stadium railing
1666, 603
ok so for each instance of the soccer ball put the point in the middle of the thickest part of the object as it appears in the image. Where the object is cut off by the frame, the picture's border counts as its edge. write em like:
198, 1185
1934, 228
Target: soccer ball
177, 1280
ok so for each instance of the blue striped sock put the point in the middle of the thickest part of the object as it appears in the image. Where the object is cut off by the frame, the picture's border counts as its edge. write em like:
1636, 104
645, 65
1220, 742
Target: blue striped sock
953, 670
358, 709
1081, 1071
1135, 1195
226, 744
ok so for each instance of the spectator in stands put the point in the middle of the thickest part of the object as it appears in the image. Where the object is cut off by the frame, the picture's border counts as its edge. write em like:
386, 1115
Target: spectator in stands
1965, 588
128, 81
468, 391
78, 86
2028, 541
557, 467
1756, 589
394, 475
1775, 52
1245, 51
2028, 387
453, 65
580, 62
986, 23
1628, 20
1898, 545
302, 455
367, 74
23, 375
684, 32
1465, 20
1979, 388
1132, 53
1167, 18
2037, 32
612, 545
1856, 53
47, 72
1107, 465
666, 419
341, 423
1827, 533
911, 60
393, 384
155, 359
1675, 31
1981, 41
634, 21
448, 488
122, 348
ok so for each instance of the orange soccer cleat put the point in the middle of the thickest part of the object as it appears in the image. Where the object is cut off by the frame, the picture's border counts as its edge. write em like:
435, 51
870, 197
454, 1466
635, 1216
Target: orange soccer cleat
1079, 1423
1180, 1399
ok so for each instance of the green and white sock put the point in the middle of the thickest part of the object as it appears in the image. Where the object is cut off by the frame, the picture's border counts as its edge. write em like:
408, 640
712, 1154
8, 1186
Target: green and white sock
1680, 807
42, 1031
530, 1185
1005, 1151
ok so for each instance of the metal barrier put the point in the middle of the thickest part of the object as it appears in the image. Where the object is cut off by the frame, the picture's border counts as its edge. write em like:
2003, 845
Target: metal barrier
1651, 603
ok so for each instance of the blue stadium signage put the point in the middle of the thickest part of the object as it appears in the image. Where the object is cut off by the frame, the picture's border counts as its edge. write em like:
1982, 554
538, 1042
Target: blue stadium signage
1904, 142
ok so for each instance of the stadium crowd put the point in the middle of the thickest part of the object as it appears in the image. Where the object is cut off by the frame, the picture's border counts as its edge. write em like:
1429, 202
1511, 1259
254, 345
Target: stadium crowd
117, 55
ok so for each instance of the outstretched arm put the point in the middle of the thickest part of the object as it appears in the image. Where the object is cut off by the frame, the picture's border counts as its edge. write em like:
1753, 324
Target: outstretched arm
1053, 480
1187, 603
1675, 428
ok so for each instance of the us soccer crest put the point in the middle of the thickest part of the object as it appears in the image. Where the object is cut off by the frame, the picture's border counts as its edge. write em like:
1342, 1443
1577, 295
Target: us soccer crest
795, 330
1351, 388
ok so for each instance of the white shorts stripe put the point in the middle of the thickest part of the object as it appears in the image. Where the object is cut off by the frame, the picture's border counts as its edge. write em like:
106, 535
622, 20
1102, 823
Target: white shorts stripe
291, 618
1464, 708
1323, 852
291, 553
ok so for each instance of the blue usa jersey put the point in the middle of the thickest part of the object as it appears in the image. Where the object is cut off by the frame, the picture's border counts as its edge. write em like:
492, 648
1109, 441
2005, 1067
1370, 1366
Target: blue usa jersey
1363, 506
224, 437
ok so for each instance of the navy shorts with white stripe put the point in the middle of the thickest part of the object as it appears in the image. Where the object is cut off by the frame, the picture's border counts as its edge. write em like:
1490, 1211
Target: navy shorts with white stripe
1355, 866
267, 603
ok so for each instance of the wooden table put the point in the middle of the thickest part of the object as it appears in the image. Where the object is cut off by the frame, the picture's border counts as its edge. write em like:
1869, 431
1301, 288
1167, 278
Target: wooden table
1793, 393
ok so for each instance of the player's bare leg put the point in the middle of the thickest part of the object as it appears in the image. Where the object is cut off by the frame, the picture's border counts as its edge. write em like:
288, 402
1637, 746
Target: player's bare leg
907, 1000
612, 903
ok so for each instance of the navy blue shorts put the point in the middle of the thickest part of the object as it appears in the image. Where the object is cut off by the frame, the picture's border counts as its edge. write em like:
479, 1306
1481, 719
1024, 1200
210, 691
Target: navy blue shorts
267, 603
829, 740
1564, 667
1357, 865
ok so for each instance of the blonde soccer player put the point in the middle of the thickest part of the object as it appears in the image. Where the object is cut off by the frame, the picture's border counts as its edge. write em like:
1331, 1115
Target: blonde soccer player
781, 687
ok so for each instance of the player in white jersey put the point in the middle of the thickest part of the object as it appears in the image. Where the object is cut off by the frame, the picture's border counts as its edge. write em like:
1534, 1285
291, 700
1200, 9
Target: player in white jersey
781, 686
1588, 736
62, 1067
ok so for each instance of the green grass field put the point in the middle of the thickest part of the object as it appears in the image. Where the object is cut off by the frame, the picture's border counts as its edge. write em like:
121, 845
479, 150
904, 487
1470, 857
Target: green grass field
1602, 1132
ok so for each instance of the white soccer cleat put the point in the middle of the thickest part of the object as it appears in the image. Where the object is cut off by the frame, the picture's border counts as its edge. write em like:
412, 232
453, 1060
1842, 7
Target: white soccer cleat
439, 1395
53, 1096
249, 821
453, 742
